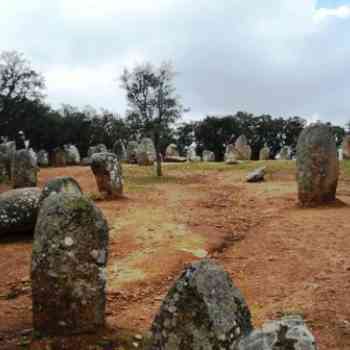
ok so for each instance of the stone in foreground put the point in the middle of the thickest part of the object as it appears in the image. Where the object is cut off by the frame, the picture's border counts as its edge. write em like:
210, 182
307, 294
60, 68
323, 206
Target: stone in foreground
289, 333
203, 310
108, 173
25, 169
256, 175
317, 166
69, 258
61, 184
19, 210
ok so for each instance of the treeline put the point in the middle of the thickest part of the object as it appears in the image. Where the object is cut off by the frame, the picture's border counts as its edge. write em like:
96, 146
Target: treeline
23, 107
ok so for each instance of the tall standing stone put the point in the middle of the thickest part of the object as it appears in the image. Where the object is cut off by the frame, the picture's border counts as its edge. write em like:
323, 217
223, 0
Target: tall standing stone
264, 153
171, 151
72, 155
108, 173
203, 310
317, 165
70, 251
7, 157
131, 151
25, 169
119, 150
346, 147
146, 152
208, 156
244, 151
192, 153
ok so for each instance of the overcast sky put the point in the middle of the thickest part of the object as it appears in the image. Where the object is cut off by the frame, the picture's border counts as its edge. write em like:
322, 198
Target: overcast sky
282, 57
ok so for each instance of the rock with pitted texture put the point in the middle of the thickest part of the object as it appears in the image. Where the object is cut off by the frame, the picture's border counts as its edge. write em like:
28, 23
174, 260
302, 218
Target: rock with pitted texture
203, 310
25, 169
19, 210
66, 184
108, 173
244, 151
289, 333
68, 270
317, 166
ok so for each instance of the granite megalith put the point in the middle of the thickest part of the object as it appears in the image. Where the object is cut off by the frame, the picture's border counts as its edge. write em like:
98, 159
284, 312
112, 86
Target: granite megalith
317, 165
25, 169
68, 270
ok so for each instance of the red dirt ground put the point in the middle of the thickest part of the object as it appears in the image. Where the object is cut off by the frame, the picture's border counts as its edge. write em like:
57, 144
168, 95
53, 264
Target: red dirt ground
285, 259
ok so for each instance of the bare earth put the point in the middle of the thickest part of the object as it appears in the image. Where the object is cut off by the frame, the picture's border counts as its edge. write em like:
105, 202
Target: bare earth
285, 259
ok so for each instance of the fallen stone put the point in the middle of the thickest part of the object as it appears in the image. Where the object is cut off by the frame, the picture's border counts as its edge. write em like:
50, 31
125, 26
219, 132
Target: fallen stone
68, 270
289, 333
256, 175
19, 210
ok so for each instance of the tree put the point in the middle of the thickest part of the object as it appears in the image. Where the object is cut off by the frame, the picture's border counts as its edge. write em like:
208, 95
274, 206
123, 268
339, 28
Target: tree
150, 93
20, 86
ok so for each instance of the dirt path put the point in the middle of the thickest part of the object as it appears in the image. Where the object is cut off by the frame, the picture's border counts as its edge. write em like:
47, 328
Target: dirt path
285, 259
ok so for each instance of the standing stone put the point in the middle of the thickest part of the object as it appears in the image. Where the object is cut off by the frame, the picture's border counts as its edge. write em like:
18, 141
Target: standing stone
68, 271
146, 152
100, 148
192, 153
171, 151
346, 147
7, 158
289, 333
72, 155
108, 173
119, 150
19, 210
203, 310
317, 165
231, 155
208, 156
59, 157
131, 151
25, 169
244, 151
60, 184
43, 158
284, 154
264, 153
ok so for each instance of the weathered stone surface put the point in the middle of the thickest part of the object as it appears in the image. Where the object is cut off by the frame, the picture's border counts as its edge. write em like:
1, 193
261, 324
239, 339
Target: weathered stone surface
61, 184
264, 153
244, 151
59, 157
19, 210
72, 155
289, 333
146, 153
317, 165
171, 151
69, 258
257, 175
25, 169
108, 173
346, 147
7, 157
119, 150
203, 310
231, 155
192, 153
100, 148
131, 151
43, 158
208, 156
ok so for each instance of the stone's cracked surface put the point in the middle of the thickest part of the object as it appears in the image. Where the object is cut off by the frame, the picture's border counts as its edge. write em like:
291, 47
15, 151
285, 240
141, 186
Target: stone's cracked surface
203, 310
25, 169
317, 165
108, 173
65, 184
289, 333
68, 284
264, 153
19, 210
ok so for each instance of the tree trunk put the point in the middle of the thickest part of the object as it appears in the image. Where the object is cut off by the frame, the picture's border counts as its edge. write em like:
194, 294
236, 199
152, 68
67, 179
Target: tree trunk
158, 155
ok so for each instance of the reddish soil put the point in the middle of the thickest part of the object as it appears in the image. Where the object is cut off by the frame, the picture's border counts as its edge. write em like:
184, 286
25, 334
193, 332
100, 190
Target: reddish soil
285, 259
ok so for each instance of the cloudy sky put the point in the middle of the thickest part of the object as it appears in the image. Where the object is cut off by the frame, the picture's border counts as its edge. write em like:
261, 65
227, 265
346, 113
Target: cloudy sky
283, 57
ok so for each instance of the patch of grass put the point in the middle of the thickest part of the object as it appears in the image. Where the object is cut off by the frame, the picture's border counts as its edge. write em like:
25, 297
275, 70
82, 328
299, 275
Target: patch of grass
345, 168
